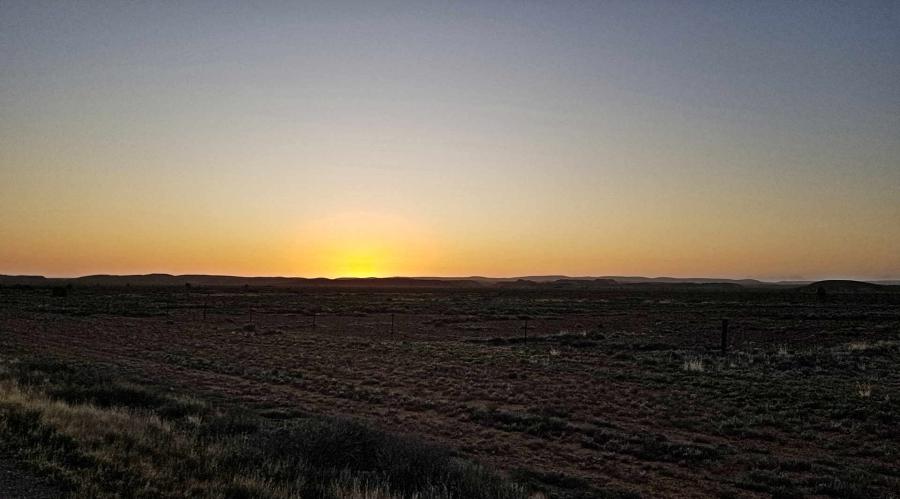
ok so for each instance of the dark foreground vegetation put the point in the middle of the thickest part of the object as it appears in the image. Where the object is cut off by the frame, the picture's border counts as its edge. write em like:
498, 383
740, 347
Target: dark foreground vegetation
99, 437
257, 392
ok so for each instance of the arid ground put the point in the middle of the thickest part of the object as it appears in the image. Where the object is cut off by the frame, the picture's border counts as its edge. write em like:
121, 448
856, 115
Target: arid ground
570, 393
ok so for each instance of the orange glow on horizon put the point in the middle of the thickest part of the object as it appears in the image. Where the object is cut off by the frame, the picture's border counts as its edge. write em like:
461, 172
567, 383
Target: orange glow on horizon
364, 244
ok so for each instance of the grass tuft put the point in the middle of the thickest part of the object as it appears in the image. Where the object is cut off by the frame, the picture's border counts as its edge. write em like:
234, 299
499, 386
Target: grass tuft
693, 365
864, 390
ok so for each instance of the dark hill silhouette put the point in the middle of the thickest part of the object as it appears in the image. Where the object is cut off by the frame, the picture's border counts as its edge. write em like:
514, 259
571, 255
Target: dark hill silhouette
843, 286
229, 281
540, 282
683, 280
168, 280
25, 280
616, 279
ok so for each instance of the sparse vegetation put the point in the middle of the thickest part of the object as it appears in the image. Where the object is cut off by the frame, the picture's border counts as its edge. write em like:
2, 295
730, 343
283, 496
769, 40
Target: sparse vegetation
604, 399
864, 390
122, 438
858, 346
693, 365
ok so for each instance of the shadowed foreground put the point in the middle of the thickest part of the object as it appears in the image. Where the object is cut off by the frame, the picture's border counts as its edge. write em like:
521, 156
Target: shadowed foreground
17, 482
98, 437
610, 394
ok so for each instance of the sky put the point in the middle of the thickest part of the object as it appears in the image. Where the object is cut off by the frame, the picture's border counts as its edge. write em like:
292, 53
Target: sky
709, 138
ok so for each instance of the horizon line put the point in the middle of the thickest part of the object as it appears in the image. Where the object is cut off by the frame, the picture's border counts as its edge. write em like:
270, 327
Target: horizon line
463, 277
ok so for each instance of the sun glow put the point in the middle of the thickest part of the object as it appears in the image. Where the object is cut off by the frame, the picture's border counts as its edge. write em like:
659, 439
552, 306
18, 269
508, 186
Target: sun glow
360, 261
364, 244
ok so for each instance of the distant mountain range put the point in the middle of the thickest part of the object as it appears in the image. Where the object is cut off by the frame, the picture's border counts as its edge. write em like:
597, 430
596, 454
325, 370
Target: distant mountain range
525, 282
617, 279
228, 281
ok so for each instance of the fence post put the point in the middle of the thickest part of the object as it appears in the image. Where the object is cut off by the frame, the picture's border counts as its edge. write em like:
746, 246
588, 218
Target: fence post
525, 330
392, 324
724, 335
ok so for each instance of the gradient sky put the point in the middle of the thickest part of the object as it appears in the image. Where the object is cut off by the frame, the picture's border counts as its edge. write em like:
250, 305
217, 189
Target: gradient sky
728, 139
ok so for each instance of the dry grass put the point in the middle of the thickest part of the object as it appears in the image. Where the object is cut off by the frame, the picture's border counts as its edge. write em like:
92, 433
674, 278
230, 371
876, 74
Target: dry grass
121, 438
359, 489
693, 365
864, 390
107, 451
858, 346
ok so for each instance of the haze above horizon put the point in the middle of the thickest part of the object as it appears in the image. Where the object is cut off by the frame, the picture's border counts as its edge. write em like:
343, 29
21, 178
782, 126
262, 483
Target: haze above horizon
727, 139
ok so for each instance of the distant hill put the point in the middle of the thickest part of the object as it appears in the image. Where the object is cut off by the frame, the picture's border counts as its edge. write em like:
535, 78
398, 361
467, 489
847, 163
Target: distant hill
542, 282
616, 279
24, 280
844, 286
613, 284
168, 280
693, 280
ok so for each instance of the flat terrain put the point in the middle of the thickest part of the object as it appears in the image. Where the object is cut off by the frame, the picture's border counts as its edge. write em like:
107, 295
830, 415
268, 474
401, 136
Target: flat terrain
569, 392
16, 482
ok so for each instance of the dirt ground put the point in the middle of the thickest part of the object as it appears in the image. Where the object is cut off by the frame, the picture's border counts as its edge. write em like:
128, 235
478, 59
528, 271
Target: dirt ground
17, 482
600, 391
